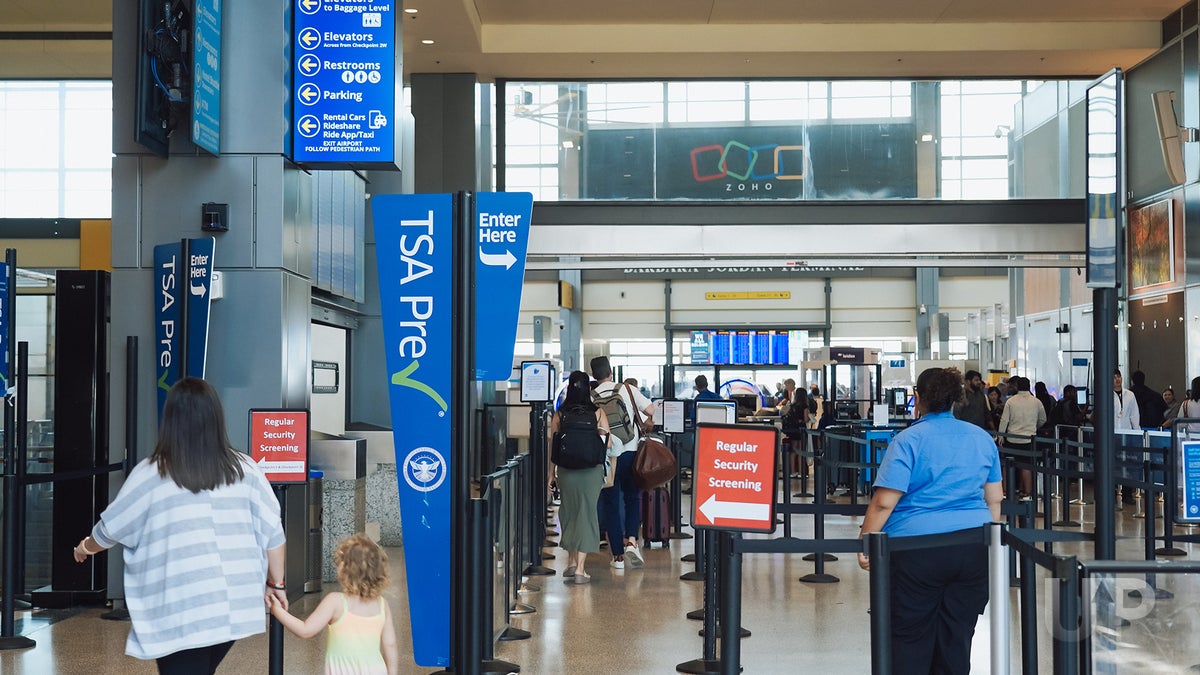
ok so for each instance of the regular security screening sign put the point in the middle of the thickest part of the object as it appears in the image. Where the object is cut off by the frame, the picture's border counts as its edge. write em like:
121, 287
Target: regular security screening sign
413, 235
279, 444
734, 478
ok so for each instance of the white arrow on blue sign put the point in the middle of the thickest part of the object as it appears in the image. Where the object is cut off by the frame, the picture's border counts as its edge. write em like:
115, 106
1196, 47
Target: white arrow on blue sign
501, 242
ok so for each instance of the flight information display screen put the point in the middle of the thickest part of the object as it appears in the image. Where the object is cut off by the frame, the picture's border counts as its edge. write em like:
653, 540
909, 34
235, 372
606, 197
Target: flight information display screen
746, 347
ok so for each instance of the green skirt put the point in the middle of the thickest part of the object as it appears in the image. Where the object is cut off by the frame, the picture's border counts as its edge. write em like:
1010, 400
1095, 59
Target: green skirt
577, 509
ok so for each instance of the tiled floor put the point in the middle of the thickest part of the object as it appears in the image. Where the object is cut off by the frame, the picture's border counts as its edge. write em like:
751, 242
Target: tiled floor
632, 621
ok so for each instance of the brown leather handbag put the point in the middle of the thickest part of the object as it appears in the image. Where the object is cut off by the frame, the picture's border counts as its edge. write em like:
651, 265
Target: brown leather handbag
654, 464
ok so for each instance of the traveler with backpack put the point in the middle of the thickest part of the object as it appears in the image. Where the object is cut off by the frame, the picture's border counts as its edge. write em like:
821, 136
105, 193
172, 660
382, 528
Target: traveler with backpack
579, 452
619, 403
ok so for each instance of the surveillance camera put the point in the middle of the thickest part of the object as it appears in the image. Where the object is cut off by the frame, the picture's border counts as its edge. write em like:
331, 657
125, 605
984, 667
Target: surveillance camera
560, 323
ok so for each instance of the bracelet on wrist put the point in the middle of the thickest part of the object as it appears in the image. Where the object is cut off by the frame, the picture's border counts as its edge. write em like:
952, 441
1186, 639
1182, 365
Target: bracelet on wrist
278, 587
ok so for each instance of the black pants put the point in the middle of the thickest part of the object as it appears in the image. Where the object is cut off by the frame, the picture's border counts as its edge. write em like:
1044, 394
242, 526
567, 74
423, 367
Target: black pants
937, 597
198, 661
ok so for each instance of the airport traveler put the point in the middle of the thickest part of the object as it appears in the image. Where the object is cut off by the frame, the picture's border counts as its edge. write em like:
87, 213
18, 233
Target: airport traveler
793, 420
703, 393
201, 530
1048, 402
1125, 406
995, 405
1023, 416
1190, 408
1150, 403
940, 475
1067, 411
1172, 407
621, 504
580, 488
974, 407
362, 636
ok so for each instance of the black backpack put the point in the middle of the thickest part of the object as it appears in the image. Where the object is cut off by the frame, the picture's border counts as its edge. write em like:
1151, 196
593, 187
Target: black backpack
578, 444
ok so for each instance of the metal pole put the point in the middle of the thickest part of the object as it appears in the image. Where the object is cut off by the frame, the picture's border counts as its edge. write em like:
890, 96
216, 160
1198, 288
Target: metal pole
1028, 591
881, 605
537, 491
1104, 304
275, 634
785, 446
1067, 623
471, 641
998, 577
21, 463
731, 604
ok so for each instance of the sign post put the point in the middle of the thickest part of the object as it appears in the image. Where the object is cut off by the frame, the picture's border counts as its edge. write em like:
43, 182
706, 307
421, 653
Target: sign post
734, 486
279, 446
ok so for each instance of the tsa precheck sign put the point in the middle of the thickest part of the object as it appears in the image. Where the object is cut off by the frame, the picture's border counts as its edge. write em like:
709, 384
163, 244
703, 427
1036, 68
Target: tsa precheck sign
343, 82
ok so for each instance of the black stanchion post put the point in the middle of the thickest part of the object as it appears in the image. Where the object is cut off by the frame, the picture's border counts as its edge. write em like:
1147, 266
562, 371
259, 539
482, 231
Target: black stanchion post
1060, 467
708, 663
1171, 497
785, 447
1028, 595
1047, 487
1067, 620
275, 634
731, 603
119, 612
21, 463
881, 609
818, 575
537, 490
9, 637
1104, 336
703, 544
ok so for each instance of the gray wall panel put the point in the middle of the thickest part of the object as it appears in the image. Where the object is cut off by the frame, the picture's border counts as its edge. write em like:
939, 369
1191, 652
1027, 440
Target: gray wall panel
255, 59
1147, 174
126, 214
272, 244
173, 191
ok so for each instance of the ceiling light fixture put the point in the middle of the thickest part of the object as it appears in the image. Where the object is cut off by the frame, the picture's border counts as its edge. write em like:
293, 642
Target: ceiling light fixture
410, 10
426, 42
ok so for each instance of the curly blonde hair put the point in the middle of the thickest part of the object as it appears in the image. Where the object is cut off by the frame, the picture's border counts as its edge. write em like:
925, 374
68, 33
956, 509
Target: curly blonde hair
362, 567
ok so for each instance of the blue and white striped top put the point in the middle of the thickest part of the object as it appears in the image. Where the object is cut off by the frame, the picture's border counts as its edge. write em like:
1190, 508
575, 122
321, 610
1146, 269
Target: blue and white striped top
195, 563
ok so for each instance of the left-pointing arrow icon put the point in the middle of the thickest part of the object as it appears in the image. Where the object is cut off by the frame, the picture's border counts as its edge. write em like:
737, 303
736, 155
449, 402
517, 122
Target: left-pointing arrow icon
310, 65
309, 126
310, 94
505, 259
310, 38
310, 6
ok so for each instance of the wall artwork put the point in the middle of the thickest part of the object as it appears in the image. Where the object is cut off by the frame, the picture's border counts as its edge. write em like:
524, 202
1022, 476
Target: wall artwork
1151, 245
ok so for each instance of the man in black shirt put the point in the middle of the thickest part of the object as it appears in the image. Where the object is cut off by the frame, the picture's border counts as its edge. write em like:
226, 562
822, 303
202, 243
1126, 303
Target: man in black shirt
1150, 402
974, 407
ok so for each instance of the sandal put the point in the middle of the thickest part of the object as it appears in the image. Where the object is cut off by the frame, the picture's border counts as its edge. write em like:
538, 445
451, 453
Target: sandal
583, 578
569, 572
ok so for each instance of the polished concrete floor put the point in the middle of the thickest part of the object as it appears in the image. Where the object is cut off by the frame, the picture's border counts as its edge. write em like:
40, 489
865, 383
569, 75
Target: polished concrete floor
633, 621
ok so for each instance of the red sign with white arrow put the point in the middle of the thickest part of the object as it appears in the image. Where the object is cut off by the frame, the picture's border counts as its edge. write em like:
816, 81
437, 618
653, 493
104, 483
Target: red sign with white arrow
279, 444
734, 479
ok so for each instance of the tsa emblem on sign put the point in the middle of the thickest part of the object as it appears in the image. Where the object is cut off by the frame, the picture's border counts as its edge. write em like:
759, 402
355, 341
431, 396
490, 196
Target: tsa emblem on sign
424, 469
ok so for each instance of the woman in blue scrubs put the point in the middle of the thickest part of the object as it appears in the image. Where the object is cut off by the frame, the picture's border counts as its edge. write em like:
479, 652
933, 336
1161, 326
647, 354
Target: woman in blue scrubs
940, 475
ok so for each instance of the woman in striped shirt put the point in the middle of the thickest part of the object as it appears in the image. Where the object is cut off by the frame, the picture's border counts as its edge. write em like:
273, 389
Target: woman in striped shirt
202, 534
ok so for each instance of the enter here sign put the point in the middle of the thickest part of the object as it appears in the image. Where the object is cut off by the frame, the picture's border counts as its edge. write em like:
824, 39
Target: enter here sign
734, 479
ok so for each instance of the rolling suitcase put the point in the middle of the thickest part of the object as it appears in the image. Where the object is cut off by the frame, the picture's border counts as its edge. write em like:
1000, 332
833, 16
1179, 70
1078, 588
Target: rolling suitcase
656, 516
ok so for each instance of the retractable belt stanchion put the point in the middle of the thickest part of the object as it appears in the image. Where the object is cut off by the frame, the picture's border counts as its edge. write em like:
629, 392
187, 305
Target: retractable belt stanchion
821, 472
1171, 497
8, 637
275, 632
998, 585
707, 664
731, 603
537, 491
119, 612
1067, 618
881, 608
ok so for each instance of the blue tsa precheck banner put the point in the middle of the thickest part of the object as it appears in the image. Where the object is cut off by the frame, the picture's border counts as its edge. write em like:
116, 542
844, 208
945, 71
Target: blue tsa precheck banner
344, 82
413, 235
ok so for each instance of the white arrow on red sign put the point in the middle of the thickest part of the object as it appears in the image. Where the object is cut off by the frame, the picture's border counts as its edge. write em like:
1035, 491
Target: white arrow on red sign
713, 509
289, 466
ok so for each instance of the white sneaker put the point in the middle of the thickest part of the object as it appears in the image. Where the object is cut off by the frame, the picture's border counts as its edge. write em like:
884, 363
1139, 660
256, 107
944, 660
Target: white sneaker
618, 564
634, 556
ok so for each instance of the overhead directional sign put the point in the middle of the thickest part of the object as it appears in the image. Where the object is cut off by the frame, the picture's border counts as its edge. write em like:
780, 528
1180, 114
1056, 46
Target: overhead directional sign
734, 485
279, 444
344, 83
502, 238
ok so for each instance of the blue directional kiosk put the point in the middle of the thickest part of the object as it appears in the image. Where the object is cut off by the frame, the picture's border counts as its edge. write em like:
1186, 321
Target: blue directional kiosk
447, 263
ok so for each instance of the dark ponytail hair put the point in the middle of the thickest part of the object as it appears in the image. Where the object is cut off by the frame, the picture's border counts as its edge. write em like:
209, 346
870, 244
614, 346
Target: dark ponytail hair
579, 392
939, 389
193, 448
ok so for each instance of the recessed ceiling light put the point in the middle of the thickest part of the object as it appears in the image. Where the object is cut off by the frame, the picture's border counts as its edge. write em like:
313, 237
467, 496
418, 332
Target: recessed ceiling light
410, 10
426, 42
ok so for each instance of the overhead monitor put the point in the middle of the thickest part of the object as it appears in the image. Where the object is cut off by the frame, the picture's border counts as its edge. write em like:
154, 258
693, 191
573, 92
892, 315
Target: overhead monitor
747, 347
